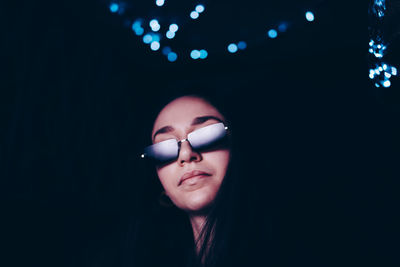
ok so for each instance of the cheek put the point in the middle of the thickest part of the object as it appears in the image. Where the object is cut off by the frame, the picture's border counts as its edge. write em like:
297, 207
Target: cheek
166, 175
219, 161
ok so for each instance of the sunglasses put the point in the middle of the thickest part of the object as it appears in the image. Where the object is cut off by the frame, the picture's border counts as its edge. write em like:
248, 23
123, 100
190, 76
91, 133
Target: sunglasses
200, 139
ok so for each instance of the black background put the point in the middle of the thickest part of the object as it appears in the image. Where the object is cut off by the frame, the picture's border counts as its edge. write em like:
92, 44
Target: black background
77, 86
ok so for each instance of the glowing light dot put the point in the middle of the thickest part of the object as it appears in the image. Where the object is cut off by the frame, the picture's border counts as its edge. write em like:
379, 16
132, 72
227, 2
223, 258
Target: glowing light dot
272, 33
194, 14
379, 46
242, 45
371, 71
377, 72
385, 66
147, 39
310, 16
371, 76
155, 45
232, 48
173, 27
172, 57
377, 84
199, 8
160, 2
195, 54
371, 50
170, 34
388, 75
114, 7
371, 43
394, 71
380, 69
203, 54
142, 156
386, 83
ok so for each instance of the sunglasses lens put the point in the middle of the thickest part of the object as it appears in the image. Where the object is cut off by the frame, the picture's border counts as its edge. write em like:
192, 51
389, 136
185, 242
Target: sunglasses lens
207, 136
163, 151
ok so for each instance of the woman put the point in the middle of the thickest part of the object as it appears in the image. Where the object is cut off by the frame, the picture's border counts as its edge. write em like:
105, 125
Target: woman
192, 155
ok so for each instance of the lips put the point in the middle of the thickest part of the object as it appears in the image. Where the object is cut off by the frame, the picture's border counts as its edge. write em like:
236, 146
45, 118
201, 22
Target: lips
192, 174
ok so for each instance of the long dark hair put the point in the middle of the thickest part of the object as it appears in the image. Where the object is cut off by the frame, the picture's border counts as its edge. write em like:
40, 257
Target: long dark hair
163, 236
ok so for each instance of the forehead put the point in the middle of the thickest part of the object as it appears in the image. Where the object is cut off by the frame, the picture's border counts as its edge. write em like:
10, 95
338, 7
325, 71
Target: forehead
181, 112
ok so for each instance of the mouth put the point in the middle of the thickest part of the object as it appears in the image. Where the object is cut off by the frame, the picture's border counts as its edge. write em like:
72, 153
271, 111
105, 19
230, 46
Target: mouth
192, 174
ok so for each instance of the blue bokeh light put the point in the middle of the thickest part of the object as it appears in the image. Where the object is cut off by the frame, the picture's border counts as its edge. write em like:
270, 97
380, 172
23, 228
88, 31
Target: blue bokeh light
153, 23
203, 54
194, 14
114, 7
172, 57
155, 26
282, 27
242, 45
155, 45
272, 33
232, 48
137, 27
170, 34
310, 16
160, 2
199, 8
166, 50
139, 31
195, 54
155, 37
173, 27
147, 38
386, 83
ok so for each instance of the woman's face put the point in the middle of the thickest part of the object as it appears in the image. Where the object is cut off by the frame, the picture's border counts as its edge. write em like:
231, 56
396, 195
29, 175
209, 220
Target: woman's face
193, 180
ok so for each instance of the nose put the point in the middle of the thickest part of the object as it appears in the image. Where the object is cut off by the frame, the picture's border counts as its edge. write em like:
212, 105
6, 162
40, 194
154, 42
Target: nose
187, 154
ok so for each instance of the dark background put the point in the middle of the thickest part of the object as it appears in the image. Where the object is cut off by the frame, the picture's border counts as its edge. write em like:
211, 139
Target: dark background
77, 88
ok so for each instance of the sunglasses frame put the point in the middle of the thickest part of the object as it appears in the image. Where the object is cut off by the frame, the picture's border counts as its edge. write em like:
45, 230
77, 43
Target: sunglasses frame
179, 142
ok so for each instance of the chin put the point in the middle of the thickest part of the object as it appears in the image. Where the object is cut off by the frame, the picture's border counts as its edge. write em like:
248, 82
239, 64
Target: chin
198, 203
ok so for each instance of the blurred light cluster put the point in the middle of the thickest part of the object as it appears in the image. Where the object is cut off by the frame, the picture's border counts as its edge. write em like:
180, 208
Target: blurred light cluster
381, 74
379, 8
377, 49
233, 48
199, 54
196, 12
158, 37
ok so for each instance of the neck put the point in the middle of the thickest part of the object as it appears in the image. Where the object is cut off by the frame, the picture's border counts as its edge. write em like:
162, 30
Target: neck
197, 222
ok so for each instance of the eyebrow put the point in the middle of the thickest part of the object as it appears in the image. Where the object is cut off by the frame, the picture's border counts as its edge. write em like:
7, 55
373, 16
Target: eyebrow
196, 121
